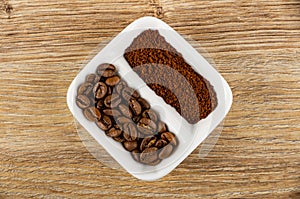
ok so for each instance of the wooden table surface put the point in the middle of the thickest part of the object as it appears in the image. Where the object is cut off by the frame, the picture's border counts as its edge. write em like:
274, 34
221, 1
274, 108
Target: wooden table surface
255, 45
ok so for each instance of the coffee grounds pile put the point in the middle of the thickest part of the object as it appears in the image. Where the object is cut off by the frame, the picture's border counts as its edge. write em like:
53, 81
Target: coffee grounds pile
164, 70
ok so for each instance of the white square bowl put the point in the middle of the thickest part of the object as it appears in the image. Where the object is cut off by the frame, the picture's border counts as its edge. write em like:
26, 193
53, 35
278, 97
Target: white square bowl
188, 135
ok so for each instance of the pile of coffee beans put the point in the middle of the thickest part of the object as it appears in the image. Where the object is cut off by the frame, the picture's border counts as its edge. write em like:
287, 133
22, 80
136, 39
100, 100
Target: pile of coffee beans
155, 61
125, 116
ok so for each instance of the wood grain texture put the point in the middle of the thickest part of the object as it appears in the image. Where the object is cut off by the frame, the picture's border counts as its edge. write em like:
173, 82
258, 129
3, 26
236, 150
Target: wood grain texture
255, 46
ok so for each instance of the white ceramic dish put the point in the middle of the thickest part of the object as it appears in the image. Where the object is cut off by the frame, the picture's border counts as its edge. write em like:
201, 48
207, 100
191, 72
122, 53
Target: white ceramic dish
189, 136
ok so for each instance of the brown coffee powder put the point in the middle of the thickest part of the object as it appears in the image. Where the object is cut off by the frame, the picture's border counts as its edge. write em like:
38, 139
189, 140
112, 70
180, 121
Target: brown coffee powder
165, 72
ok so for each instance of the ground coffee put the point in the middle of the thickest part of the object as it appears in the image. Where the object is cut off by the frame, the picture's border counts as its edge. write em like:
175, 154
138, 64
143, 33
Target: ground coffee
125, 116
165, 71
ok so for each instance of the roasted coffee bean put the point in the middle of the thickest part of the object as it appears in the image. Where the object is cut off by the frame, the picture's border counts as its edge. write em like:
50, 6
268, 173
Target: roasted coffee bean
169, 137
130, 131
149, 155
117, 126
150, 114
135, 94
107, 101
147, 142
112, 101
115, 101
109, 90
122, 120
100, 90
128, 93
100, 104
130, 145
143, 103
112, 112
161, 127
120, 139
106, 70
135, 107
85, 89
82, 101
105, 66
114, 132
146, 126
104, 123
120, 86
125, 110
112, 81
136, 155
92, 78
108, 73
107, 111
136, 118
127, 118
165, 151
160, 143
92, 113
156, 162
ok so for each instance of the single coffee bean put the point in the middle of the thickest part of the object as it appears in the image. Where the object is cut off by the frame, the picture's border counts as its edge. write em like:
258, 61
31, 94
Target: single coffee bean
85, 89
146, 126
149, 155
136, 118
150, 114
112, 112
120, 86
161, 127
147, 142
120, 139
165, 151
82, 101
128, 93
136, 155
112, 101
114, 132
100, 90
106, 70
108, 73
160, 143
92, 78
169, 137
130, 145
100, 104
92, 113
112, 81
125, 110
130, 131
105, 66
104, 123
135, 107
115, 101
156, 162
107, 111
117, 126
122, 120
143, 103
107, 101
109, 90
